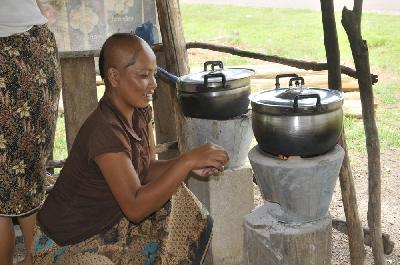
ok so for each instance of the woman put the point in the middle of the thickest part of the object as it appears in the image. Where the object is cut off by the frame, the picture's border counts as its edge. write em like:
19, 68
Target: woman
29, 92
112, 199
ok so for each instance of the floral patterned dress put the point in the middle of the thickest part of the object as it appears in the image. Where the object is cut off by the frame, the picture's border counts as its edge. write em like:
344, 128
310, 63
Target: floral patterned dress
30, 84
177, 234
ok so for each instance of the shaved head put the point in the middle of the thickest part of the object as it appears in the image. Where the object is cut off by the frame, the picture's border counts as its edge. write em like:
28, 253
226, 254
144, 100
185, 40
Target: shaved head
120, 50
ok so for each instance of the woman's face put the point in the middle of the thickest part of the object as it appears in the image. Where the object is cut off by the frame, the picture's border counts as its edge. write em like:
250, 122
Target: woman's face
137, 81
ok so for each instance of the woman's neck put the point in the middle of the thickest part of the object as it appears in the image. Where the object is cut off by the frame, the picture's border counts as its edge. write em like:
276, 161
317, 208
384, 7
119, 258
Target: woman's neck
126, 110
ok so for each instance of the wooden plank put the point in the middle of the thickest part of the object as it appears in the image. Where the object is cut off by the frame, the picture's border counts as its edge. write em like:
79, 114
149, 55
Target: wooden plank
311, 81
352, 108
79, 54
79, 93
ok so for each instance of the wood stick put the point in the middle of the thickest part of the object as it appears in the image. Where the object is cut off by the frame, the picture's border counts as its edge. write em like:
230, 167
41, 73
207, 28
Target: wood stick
349, 198
161, 148
388, 245
351, 21
275, 59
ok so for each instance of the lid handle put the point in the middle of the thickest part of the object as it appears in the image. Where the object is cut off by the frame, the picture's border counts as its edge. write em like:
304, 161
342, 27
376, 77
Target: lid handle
277, 85
297, 97
213, 64
213, 75
299, 78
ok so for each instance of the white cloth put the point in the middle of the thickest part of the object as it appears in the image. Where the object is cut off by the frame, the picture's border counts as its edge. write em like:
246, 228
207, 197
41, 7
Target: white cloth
17, 16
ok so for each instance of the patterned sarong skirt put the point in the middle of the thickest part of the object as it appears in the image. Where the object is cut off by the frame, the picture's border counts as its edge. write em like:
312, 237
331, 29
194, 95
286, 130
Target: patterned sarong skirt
177, 234
30, 84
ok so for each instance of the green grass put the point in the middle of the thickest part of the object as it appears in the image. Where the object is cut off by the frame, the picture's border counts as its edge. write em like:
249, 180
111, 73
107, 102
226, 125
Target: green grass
60, 144
288, 33
297, 34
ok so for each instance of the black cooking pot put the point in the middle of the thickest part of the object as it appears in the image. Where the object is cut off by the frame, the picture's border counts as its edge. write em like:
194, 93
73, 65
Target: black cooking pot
218, 94
297, 121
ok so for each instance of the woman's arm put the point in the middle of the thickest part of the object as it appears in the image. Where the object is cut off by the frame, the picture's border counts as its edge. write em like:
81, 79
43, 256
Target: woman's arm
137, 201
157, 167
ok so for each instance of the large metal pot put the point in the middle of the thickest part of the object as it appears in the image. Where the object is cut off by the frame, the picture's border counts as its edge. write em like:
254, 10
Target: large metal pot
297, 121
218, 94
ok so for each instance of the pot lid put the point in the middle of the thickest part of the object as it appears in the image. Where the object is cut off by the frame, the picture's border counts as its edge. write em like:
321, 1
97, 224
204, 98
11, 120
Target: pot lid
297, 100
215, 79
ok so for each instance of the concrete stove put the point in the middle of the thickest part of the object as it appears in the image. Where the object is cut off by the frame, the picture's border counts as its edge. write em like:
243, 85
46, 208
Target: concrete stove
293, 226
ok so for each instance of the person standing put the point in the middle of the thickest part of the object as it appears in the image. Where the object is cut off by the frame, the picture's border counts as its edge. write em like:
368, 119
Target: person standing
30, 83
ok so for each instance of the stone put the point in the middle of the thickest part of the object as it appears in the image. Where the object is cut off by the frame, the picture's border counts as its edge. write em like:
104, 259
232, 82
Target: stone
303, 187
228, 198
234, 135
268, 240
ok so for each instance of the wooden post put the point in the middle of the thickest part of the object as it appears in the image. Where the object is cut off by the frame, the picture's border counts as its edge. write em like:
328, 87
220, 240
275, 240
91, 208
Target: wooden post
351, 21
174, 49
349, 198
331, 45
79, 93
164, 118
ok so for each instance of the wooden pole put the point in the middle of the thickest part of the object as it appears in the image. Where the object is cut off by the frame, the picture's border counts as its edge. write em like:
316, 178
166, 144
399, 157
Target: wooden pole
351, 21
176, 56
331, 44
164, 117
356, 236
301, 64
349, 198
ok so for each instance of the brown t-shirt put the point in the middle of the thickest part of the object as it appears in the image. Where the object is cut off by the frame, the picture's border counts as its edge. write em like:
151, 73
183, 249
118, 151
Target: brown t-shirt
81, 204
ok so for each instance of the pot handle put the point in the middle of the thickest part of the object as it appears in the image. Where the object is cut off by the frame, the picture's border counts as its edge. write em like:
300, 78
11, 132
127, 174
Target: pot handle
297, 97
211, 75
213, 64
299, 78
167, 74
277, 85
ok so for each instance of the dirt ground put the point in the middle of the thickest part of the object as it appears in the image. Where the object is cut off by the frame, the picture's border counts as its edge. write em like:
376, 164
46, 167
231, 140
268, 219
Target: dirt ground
390, 167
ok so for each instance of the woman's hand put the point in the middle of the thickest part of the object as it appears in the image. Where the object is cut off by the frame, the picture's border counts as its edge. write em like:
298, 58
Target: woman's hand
206, 160
207, 172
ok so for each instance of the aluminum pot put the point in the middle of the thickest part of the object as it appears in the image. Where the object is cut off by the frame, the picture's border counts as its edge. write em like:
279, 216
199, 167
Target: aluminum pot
218, 94
297, 121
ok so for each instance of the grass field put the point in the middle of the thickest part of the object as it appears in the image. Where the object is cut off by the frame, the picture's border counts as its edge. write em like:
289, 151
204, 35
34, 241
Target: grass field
289, 33
297, 34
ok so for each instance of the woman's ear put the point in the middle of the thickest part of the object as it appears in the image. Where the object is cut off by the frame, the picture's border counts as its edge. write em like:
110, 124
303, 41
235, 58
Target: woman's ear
113, 76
